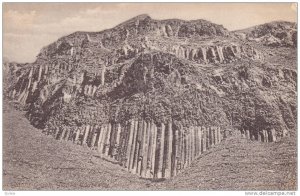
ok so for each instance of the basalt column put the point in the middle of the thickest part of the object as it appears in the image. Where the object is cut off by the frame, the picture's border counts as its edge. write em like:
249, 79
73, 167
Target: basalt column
169, 150
140, 146
204, 139
117, 141
67, 134
183, 148
196, 139
192, 143
133, 148
154, 150
86, 132
208, 138
101, 141
219, 134
150, 128
247, 134
187, 151
145, 145
107, 140
95, 137
273, 135
161, 151
62, 136
175, 153
77, 133
259, 136
136, 148
129, 146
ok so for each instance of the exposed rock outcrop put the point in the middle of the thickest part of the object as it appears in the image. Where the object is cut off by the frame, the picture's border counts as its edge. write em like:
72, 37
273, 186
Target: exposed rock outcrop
144, 89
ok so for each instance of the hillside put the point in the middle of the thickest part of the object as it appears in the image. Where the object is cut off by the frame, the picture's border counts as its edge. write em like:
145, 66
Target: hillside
170, 74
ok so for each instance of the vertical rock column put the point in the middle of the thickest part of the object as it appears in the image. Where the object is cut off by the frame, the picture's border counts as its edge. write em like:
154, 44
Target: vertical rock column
188, 148
182, 149
137, 146
247, 134
219, 135
169, 150
215, 135
161, 150
94, 137
192, 133
117, 141
204, 139
175, 154
86, 132
259, 136
103, 74
197, 142
153, 150
204, 54
77, 133
62, 136
58, 133
220, 54
273, 135
112, 140
132, 166
145, 148
90, 136
97, 137
107, 139
149, 153
129, 146
208, 138
67, 134
140, 147
124, 137
55, 132
101, 141
40, 72
212, 136
200, 140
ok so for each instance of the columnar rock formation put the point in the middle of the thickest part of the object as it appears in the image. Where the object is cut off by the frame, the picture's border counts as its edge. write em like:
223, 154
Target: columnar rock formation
115, 91
261, 135
224, 53
144, 148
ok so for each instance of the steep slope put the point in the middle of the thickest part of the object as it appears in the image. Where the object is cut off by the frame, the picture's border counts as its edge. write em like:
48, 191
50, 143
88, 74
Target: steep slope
164, 80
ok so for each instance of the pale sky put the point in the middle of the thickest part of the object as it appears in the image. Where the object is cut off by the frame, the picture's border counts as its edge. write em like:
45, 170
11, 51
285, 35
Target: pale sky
27, 27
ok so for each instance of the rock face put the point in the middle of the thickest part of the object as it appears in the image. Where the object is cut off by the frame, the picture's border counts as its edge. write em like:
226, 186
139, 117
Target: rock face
153, 95
276, 33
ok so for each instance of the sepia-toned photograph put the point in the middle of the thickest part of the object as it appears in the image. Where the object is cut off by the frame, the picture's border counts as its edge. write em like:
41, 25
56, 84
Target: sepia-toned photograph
149, 97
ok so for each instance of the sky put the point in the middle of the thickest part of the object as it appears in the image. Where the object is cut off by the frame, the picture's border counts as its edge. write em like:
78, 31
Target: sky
27, 27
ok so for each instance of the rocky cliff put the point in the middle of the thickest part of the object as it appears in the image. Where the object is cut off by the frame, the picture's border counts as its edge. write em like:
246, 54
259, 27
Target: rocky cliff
168, 73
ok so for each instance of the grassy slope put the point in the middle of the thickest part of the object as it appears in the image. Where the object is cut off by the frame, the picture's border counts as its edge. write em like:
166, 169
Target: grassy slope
34, 161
